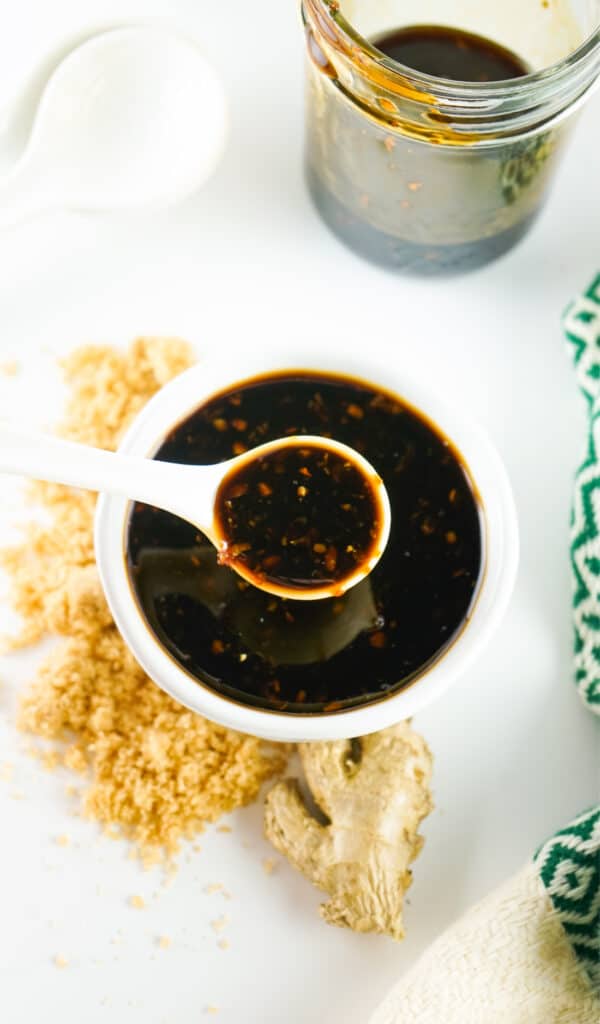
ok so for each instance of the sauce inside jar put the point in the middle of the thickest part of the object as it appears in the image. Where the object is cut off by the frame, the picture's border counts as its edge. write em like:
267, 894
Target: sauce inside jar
308, 657
450, 53
300, 518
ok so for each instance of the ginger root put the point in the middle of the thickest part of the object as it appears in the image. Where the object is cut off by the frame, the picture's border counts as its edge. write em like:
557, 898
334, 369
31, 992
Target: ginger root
374, 793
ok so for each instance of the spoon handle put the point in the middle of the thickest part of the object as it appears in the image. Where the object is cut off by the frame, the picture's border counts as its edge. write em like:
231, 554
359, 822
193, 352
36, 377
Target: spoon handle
165, 485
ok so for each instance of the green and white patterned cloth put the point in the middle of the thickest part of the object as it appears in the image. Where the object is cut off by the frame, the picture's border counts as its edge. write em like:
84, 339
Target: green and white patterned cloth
569, 863
569, 866
582, 329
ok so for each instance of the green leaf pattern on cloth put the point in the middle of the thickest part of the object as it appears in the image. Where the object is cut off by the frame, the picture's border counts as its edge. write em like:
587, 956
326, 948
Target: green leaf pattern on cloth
569, 866
582, 329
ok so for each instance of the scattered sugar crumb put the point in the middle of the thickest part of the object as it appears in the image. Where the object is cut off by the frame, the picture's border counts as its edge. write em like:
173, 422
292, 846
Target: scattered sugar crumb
223, 944
224, 828
213, 887
219, 923
269, 865
164, 942
50, 760
196, 848
150, 856
137, 902
63, 840
60, 960
17, 794
10, 367
75, 759
226, 894
71, 790
211, 1009
7, 770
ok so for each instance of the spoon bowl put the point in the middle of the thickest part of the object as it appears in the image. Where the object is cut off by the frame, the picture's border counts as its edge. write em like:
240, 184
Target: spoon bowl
131, 118
310, 589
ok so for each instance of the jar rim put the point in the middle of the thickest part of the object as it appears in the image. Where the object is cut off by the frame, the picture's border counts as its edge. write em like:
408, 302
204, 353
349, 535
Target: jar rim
442, 110
446, 88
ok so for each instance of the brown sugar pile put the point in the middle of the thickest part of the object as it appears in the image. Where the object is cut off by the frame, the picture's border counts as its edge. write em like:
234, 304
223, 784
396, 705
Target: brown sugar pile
155, 769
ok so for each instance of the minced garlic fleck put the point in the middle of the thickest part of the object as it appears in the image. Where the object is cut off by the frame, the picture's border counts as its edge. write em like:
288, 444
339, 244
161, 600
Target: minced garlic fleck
155, 770
137, 902
60, 961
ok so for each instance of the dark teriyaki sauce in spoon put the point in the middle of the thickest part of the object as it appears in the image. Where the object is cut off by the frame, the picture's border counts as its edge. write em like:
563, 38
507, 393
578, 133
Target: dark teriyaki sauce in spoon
298, 656
298, 518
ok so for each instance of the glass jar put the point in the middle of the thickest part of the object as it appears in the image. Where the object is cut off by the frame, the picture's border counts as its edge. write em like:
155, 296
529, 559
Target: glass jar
430, 175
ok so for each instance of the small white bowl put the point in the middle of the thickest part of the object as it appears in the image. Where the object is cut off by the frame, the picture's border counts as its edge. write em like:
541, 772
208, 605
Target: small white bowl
500, 551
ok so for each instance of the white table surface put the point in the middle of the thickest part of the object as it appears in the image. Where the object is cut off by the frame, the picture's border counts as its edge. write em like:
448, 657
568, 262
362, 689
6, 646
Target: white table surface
515, 754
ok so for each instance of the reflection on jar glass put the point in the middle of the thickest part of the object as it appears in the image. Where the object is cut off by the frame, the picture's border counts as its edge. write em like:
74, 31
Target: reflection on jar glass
416, 168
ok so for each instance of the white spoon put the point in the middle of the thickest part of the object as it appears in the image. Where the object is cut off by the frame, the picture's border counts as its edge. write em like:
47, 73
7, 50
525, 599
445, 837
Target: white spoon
132, 117
190, 492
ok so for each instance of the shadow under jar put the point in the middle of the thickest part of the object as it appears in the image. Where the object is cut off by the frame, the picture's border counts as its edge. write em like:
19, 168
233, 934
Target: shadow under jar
416, 169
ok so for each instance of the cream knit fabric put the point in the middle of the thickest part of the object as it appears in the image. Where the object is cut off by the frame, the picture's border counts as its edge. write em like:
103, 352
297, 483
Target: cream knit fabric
507, 961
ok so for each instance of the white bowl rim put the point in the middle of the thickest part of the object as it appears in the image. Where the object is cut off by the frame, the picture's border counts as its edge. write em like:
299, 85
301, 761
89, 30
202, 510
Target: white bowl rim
500, 529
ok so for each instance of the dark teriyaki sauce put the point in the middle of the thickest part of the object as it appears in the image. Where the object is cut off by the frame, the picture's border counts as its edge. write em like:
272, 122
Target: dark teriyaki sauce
450, 53
299, 656
298, 518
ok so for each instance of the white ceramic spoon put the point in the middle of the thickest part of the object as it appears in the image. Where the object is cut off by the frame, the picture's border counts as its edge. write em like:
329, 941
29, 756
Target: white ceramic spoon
133, 117
189, 492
